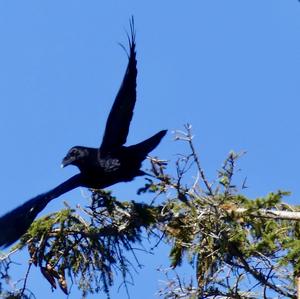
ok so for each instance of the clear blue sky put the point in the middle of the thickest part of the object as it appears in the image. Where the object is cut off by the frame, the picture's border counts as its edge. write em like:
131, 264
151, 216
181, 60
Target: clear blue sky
230, 68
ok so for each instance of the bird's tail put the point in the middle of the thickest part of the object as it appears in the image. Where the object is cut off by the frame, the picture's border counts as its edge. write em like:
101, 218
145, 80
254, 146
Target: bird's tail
15, 223
143, 148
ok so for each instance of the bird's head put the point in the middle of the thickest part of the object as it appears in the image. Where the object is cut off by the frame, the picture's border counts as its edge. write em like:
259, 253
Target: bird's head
75, 156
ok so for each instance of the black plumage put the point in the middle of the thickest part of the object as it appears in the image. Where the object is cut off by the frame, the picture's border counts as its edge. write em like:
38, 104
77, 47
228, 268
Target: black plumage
99, 167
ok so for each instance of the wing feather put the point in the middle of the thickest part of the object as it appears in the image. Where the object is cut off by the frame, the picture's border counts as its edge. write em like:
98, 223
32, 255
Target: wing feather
118, 122
15, 223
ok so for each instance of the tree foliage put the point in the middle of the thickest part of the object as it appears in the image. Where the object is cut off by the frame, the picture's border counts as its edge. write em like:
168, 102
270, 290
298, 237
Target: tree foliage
238, 247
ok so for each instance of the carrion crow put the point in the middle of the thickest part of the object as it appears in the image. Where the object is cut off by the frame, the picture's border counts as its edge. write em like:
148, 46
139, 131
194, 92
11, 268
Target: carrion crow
99, 168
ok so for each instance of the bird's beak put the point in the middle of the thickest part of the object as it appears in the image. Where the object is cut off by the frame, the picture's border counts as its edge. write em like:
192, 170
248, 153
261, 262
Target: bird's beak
65, 162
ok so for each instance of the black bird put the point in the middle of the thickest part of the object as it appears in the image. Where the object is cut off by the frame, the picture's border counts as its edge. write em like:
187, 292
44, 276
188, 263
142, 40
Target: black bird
99, 167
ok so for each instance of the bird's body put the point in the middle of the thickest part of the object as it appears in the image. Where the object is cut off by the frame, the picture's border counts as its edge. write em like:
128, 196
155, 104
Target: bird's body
111, 163
100, 170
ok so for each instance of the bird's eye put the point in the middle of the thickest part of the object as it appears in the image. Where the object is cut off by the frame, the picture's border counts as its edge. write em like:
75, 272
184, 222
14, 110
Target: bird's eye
73, 153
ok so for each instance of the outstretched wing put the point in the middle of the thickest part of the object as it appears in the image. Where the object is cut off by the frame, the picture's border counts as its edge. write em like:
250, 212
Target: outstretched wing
15, 223
117, 125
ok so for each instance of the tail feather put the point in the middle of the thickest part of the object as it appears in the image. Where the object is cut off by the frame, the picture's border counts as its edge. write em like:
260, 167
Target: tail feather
143, 148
